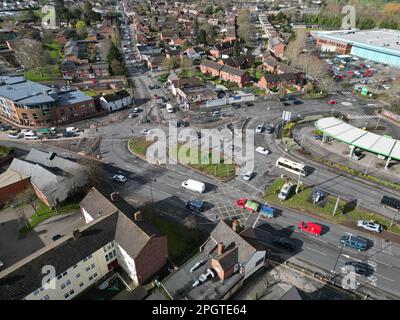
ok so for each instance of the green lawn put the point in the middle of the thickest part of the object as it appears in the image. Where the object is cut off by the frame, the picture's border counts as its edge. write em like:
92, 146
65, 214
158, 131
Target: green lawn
182, 241
44, 213
139, 145
5, 151
301, 202
47, 74
90, 93
203, 161
54, 48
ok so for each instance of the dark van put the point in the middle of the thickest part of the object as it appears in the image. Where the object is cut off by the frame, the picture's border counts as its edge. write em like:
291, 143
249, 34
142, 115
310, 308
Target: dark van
195, 205
359, 243
390, 202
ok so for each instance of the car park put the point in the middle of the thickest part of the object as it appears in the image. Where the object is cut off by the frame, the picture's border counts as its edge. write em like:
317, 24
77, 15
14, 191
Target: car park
370, 226
262, 150
248, 175
119, 178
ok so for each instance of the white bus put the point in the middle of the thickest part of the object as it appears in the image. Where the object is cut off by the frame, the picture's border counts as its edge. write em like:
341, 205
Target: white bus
291, 166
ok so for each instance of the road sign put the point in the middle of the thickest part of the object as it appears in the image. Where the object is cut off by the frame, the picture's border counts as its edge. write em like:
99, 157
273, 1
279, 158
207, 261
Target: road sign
286, 115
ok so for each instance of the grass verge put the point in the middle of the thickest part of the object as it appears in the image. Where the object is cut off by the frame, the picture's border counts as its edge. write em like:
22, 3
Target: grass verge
139, 145
204, 161
44, 213
301, 202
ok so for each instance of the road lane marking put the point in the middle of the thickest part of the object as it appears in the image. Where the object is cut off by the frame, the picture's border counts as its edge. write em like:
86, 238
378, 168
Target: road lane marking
323, 253
348, 257
381, 263
379, 275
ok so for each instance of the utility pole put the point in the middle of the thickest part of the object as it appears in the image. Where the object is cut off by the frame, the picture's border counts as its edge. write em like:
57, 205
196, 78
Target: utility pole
336, 206
394, 218
298, 182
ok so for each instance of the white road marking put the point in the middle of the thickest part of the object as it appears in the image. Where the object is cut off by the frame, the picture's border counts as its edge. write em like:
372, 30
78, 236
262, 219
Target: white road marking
379, 275
323, 253
249, 185
348, 257
381, 263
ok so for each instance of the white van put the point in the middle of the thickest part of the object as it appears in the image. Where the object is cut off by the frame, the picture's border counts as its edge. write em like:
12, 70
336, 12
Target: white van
31, 136
285, 191
71, 129
194, 185
170, 108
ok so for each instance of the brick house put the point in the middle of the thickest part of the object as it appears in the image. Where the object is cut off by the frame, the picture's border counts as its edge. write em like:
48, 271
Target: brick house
238, 76
222, 48
243, 61
100, 69
176, 41
269, 81
210, 68
276, 46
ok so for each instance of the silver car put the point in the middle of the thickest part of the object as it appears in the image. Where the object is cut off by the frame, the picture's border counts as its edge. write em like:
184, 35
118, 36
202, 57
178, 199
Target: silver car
369, 225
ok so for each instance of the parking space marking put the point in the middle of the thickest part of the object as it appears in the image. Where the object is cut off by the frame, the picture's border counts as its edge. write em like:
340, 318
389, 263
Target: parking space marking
323, 253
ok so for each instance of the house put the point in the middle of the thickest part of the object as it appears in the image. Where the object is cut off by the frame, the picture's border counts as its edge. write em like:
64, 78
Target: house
184, 83
238, 76
156, 62
193, 53
222, 48
116, 100
113, 244
234, 255
210, 68
243, 61
100, 69
276, 46
176, 41
269, 81
54, 179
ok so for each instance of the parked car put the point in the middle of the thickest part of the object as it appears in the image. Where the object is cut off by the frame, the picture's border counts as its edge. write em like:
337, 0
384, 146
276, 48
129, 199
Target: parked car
236, 105
136, 110
119, 178
195, 205
71, 129
17, 135
132, 115
259, 128
269, 129
215, 113
145, 131
285, 191
362, 269
284, 242
332, 102
1, 264
56, 237
370, 226
248, 175
262, 150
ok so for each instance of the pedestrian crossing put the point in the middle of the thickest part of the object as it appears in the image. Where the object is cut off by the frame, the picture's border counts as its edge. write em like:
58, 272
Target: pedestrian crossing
356, 115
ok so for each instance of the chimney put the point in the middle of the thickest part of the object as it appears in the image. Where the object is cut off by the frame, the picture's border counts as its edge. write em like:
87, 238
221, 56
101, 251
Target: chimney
76, 234
114, 196
221, 248
138, 216
236, 226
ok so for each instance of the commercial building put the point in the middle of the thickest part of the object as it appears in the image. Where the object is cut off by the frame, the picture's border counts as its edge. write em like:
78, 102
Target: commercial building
30, 104
381, 45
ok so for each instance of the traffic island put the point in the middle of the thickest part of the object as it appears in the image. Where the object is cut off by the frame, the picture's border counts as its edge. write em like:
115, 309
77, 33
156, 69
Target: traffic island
203, 161
346, 214
138, 146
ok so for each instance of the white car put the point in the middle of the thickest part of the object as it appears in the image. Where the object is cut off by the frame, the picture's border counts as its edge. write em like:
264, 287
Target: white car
71, 129
259, 128
26, 131
32, 137
1, 264
136, 110
17, 135
132, 115
248, 175
262, 150
369, 225
120, 178
145, 131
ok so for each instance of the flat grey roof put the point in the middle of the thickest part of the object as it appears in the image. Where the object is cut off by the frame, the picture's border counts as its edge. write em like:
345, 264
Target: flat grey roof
383, 38
72, 97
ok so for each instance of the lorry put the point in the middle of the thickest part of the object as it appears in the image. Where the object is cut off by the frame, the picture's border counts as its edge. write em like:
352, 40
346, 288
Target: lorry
267, 211
194, 185
247, 204
310, 227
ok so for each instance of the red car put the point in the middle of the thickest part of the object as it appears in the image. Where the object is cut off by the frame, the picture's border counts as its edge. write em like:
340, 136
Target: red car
310, 227
332, 102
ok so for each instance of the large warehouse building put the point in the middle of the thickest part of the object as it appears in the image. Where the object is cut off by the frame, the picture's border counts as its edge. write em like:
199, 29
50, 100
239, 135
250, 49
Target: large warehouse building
380, 45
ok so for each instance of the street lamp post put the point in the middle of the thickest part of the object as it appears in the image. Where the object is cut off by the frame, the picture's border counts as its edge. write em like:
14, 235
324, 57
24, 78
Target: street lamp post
151, 192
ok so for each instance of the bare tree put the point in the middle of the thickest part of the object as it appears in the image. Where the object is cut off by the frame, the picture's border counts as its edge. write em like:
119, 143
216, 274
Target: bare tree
296, 46
31, 55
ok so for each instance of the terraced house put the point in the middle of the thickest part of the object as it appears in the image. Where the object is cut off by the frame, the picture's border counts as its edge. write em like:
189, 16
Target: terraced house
30, 104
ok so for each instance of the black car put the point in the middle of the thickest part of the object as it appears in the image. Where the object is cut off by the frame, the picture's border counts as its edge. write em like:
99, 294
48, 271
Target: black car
249, 104
297, 102
56, 237
284, 242
236, 105
282, 99
287, 104
362, 269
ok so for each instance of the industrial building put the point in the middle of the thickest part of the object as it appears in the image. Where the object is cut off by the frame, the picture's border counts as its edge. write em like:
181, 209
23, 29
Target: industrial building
379, 45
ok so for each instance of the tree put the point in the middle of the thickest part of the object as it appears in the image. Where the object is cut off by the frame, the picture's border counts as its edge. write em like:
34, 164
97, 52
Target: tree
295, 47
202, 37
81, 29
245, 28
31, 55
116, 67
114, 53
236, 49
186, 65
